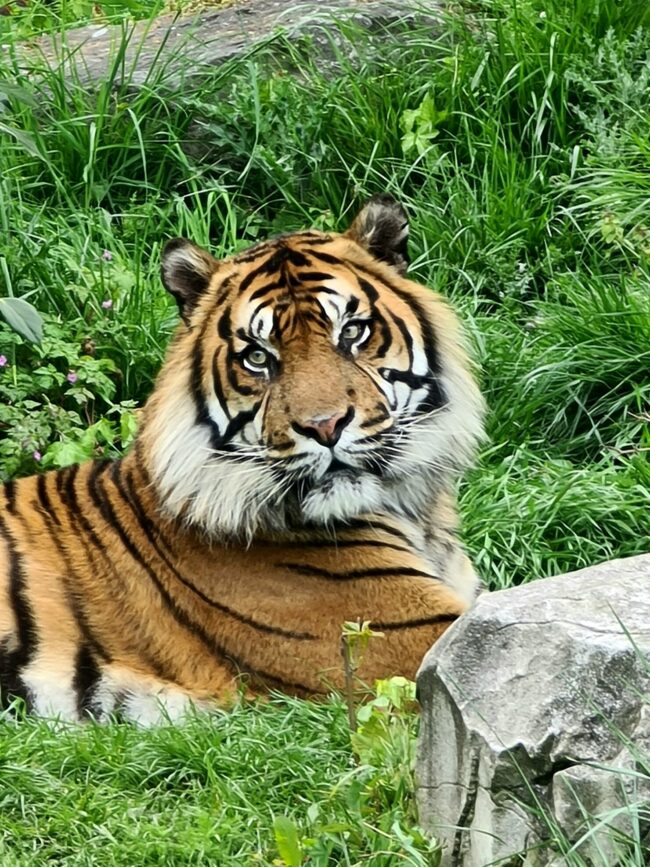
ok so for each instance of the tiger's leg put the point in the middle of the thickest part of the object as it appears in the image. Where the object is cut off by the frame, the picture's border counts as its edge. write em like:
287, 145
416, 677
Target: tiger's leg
52, 672
39, 639
143, 699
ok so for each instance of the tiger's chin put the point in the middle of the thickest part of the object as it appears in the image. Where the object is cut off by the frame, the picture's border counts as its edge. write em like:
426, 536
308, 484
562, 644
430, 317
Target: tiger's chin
340, 496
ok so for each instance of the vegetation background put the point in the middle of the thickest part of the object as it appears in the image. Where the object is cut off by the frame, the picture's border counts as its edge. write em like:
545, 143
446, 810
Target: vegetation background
519, 140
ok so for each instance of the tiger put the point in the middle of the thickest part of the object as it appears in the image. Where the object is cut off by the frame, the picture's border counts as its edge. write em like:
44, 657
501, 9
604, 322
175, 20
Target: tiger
294, 470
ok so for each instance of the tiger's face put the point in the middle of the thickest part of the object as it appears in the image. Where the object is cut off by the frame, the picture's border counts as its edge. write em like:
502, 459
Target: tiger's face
309, 383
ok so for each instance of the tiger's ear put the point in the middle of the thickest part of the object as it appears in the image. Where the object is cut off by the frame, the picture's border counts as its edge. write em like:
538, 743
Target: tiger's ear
186, 271
382, 227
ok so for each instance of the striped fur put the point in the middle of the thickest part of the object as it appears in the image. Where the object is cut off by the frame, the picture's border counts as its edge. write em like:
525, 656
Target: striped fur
293, 470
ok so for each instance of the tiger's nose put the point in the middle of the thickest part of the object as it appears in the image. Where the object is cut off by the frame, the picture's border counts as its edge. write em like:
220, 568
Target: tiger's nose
326, 430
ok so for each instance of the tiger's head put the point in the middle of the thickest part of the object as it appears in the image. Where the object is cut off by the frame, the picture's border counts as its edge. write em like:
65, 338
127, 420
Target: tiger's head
308, 383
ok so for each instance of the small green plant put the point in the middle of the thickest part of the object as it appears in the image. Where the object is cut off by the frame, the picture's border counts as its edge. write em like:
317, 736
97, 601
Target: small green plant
378, 791
57, 402
355, 637
420, 126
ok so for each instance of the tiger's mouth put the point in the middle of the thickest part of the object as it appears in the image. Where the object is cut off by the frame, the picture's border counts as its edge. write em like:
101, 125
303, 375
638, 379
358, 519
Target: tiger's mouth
340, 492
337, 466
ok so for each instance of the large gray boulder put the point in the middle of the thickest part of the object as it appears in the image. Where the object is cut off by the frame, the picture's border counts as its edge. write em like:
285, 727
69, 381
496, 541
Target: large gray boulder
536, 716
178, 49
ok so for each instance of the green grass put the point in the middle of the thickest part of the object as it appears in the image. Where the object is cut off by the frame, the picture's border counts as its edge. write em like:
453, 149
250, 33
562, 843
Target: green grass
272, 778
518, 140
206, 793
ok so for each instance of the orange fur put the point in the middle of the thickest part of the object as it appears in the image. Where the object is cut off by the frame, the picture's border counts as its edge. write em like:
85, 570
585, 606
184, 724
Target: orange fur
165, 578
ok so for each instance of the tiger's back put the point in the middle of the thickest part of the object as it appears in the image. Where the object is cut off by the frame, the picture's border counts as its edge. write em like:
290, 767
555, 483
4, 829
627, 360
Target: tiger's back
293, 471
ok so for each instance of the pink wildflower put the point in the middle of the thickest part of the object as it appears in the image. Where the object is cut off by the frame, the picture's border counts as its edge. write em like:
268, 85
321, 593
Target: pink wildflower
107, 304
3, 360
71, 377
107, 255
37, 455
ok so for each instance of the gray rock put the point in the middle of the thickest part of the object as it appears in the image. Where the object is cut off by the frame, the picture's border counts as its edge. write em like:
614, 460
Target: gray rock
536, 715
181, 48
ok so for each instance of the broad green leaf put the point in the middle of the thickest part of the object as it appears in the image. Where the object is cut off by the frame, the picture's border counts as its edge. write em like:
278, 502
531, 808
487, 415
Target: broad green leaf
128, 428
23, 318
10, 89
63, 454
286, 839
22, 138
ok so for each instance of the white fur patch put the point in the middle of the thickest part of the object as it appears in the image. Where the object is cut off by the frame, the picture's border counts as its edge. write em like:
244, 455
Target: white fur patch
50, 685
342, 497
165, 705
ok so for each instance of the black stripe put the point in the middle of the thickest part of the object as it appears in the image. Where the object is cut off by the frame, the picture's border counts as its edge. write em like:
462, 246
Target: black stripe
10, 494
260, 307
239, 421
436, 397
196, 387
316, 277
11, 686
369, 289
326, 257
101, 502
295, 257
413, 380
361, 524
428, 335
86, 677
217, 385
265, 290
375, 438
72, 597
356, 574
386, 336
352, 306
224, 290
256, 252
310, 239
414, 624
371, 422
408, 340
309, 294
270, 265
224, 326
335, 544
83, 625
274, 681
232, 371
67, 491
45, 502
26, 633
283, 447
318, 319
321, 314
148, 527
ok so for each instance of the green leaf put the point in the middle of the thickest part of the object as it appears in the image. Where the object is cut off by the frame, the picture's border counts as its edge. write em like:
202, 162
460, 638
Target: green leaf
15, 91
23, 318
128, 428
286, 839
22, 138
63, 454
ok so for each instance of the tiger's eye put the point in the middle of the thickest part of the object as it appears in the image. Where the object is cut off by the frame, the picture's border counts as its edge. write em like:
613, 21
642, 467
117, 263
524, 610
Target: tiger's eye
351, 331
257, 357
